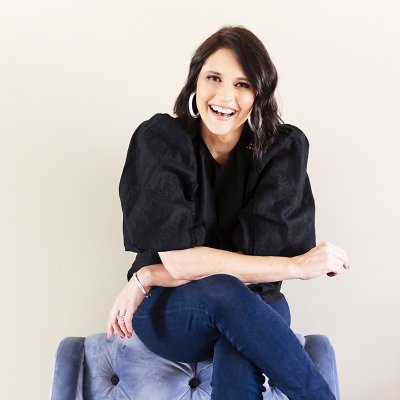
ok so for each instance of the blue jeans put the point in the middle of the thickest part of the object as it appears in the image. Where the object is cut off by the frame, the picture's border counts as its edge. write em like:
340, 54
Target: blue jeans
221, 318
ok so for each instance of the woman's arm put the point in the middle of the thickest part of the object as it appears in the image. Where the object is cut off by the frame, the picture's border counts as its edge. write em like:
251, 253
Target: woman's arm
130, 298
157, 275
182, 266
198, 262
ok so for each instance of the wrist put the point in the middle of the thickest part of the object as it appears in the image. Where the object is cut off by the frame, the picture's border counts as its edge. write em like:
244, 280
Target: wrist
145, 277
294, 267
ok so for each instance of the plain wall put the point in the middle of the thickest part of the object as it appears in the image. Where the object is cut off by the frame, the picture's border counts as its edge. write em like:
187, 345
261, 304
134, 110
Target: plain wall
76, 79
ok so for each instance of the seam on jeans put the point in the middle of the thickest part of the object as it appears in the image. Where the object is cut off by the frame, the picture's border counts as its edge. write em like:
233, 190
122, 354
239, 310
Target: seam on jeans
170, 312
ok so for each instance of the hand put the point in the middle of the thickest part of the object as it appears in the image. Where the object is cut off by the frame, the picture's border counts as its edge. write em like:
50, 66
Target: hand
326, 258
126, 304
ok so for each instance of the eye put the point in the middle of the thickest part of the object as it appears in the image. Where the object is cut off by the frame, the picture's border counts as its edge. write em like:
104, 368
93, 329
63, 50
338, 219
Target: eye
213, 78
244, 85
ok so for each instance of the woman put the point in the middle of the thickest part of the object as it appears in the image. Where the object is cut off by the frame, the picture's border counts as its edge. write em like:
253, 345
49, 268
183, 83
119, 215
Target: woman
218, 205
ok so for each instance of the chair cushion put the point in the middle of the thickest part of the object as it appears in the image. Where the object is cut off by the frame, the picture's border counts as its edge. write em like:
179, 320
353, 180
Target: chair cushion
118, 368
95, 368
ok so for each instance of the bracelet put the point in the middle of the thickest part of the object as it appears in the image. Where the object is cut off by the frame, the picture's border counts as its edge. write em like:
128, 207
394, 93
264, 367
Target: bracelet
135, 277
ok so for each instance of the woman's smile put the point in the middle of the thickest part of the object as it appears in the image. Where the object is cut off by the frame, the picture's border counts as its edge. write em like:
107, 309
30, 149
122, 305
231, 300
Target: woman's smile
222, 113
224, 97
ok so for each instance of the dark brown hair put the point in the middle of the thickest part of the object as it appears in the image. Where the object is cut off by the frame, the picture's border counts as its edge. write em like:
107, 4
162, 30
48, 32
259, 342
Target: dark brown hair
256, 63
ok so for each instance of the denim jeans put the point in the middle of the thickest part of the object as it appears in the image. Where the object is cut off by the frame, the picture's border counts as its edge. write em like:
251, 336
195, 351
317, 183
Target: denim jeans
219, 317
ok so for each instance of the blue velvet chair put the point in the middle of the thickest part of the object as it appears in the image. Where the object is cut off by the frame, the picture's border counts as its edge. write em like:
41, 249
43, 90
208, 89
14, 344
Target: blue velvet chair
95, 368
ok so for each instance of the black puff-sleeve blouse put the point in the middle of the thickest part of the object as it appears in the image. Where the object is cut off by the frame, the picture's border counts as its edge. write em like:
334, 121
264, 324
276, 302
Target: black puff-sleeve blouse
175, 196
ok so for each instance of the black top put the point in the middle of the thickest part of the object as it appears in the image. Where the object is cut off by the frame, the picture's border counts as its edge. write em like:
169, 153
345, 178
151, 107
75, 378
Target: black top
174, 195
225, 185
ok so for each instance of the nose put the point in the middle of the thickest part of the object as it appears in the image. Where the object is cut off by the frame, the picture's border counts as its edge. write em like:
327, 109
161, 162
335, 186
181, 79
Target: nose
225, 93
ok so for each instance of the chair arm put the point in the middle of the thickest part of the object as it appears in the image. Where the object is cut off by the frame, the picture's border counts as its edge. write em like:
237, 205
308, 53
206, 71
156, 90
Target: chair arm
68, 370
321, 352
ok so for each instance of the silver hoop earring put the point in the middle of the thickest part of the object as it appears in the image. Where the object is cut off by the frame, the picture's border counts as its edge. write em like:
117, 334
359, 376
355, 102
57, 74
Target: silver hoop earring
191, 106
249, 122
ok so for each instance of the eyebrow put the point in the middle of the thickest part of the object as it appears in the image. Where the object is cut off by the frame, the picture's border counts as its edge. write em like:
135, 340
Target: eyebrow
219, 74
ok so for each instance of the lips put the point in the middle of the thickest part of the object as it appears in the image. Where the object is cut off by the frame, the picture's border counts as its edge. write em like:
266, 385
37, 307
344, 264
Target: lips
223, 113
221, 109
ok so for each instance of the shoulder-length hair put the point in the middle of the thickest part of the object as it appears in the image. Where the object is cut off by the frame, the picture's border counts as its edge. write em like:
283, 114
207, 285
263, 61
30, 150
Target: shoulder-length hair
256, 63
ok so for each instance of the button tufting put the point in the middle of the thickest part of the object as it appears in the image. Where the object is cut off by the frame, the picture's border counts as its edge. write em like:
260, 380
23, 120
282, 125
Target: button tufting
194, 382
115, 380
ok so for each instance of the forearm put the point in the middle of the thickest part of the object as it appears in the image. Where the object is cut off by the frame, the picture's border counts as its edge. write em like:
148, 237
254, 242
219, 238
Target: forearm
157, 275
198, 262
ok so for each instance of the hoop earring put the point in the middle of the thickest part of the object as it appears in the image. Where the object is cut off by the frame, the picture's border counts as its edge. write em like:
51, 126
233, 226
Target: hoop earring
191, 106
249, 122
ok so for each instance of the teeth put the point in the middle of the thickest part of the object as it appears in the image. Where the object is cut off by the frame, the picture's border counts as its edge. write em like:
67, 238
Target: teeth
222, 110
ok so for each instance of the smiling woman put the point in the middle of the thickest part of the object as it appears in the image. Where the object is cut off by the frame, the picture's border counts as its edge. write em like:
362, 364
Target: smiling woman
224, 101
218, 206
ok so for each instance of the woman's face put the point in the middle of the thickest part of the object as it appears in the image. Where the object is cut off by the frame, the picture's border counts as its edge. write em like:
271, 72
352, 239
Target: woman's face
224, 95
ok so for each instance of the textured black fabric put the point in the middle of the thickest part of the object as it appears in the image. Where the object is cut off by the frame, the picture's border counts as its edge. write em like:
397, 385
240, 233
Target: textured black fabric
224, 190
174, 195
156, 188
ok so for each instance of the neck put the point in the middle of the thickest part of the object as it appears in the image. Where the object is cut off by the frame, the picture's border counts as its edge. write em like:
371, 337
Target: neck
220, 146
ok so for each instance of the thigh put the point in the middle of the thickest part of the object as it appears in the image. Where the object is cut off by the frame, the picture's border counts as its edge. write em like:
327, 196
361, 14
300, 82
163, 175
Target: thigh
281, 306
174, 324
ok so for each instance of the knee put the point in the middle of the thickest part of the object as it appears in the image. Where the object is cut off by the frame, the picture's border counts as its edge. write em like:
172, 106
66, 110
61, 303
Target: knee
222, 283
222, 289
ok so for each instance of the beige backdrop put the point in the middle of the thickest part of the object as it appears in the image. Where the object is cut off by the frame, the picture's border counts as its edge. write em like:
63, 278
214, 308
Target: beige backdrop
77, 77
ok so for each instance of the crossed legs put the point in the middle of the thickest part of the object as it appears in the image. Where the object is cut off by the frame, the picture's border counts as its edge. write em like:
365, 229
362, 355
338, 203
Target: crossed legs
220, 317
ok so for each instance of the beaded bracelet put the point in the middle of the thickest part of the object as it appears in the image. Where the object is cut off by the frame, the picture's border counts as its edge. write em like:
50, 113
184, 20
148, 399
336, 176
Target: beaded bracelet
135, 277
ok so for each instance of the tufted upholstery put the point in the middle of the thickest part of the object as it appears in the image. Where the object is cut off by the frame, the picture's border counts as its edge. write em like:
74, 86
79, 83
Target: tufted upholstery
95, 368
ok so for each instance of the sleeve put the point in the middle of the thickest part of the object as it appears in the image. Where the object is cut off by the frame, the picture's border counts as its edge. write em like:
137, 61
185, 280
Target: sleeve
279, 219
156, 191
